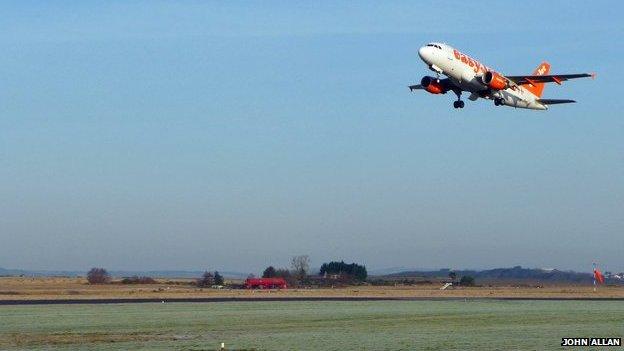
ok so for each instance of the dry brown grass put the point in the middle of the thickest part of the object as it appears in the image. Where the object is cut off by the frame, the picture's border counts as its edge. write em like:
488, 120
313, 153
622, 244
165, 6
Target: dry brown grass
40, 288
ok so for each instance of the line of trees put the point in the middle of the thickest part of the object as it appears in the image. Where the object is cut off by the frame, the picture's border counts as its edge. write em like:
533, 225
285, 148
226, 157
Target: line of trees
344, 271
209, 279
297, 275
272, 272
99, 275
466, 280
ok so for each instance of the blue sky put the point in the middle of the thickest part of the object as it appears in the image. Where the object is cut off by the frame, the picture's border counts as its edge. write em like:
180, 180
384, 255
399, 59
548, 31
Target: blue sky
233, 135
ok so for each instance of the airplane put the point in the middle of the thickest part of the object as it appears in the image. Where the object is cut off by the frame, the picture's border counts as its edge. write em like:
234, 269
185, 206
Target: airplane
467, 74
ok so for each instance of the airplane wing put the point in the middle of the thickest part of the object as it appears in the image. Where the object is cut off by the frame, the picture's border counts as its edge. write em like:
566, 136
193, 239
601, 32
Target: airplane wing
555, 101
550, 78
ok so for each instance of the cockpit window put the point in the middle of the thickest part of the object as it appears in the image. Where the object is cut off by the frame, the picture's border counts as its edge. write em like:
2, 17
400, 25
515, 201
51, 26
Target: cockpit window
435, 46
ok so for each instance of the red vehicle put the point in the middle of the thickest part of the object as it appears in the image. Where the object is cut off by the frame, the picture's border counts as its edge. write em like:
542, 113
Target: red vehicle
265, 283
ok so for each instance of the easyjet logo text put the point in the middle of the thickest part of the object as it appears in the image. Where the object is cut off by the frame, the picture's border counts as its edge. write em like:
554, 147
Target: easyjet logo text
472, 63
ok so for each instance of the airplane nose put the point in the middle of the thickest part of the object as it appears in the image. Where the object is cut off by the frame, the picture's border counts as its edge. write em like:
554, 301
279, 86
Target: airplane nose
424, 53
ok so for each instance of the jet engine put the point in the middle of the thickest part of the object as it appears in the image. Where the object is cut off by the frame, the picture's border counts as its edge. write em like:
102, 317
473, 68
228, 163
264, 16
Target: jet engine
432, 85
494, 81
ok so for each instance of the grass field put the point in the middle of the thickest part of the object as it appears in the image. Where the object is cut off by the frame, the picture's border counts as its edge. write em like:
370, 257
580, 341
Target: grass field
391, 325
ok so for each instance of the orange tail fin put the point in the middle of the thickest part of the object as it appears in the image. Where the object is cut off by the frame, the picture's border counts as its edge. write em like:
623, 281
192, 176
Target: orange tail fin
537, 88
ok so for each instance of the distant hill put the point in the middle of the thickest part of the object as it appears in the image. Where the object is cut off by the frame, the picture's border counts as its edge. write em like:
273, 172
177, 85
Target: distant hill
17, 272
514, 274
389, 270
154, 274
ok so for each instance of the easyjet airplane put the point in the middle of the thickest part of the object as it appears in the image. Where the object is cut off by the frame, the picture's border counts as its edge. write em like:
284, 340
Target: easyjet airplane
467, 74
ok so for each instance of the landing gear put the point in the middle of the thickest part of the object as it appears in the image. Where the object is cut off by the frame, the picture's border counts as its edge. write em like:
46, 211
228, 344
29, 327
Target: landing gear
459, 103
498, 101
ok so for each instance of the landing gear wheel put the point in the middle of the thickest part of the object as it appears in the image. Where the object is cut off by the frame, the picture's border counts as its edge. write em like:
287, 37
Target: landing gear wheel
458, 103
498, 101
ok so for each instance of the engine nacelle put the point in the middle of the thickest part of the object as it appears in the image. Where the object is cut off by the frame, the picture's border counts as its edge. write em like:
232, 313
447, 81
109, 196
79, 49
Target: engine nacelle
432, 85
494, 81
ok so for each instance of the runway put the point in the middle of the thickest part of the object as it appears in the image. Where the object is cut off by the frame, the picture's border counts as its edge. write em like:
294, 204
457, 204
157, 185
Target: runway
289, 299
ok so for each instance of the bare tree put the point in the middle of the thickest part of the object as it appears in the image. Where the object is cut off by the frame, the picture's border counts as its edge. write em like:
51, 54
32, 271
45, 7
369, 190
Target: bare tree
98, 276
300, 266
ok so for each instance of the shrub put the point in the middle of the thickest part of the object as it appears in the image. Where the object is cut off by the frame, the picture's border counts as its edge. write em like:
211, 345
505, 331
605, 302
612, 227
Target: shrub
218, 278
467, 281
269, 272
206, 280
98, 276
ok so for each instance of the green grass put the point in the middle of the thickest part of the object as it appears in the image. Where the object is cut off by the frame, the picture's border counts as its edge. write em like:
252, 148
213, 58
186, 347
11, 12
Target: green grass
426, 325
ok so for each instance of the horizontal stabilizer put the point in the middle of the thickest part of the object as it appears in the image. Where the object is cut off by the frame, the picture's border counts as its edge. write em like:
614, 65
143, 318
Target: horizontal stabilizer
555, 101
415, 87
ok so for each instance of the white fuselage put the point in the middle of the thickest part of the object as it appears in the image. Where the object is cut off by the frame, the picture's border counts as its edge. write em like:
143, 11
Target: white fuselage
466, 72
